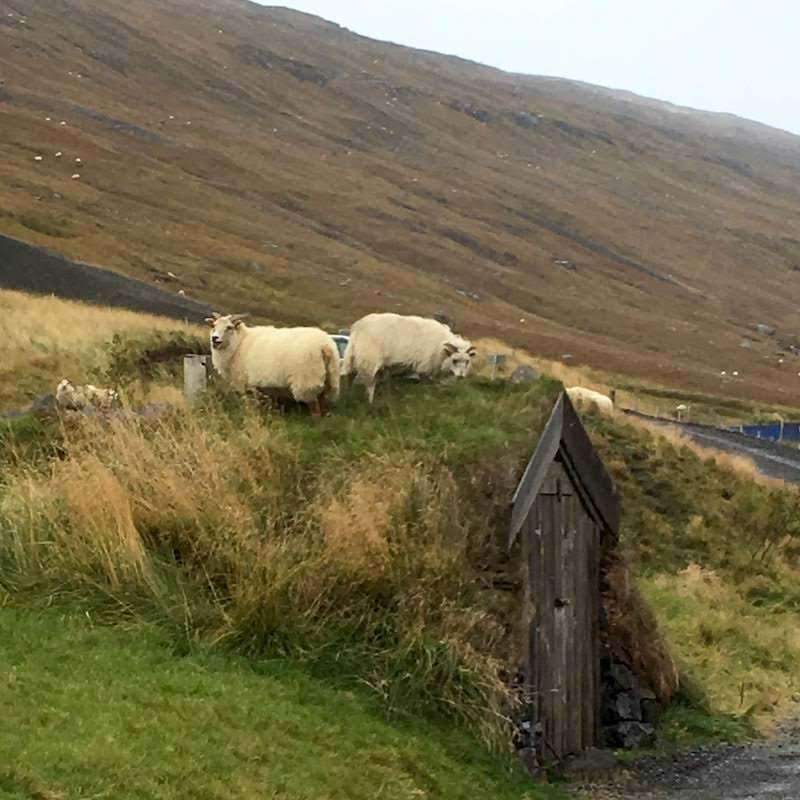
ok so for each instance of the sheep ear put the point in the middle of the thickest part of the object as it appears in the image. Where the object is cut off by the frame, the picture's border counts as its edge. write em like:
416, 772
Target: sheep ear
472, 352
211, 321
449, 348
236, 319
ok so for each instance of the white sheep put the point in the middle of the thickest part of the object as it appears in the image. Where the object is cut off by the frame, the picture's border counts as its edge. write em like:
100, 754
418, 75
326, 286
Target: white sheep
397, 343
581, 396
81, 398
299, 362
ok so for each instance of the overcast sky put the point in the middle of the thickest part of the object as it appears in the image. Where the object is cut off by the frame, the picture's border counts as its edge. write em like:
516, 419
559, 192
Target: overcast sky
741, 56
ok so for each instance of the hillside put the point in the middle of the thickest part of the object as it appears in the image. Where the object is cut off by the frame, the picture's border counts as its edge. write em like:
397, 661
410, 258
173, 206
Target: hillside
366, 549
266, 160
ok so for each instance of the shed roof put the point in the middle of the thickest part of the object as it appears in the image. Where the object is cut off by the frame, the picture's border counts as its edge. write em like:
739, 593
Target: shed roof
564, 434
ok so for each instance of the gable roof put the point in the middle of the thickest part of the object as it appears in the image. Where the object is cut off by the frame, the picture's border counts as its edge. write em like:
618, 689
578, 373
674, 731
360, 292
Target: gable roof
565, 434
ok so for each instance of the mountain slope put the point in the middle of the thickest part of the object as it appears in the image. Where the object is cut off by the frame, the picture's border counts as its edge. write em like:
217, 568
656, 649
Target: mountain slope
277, 163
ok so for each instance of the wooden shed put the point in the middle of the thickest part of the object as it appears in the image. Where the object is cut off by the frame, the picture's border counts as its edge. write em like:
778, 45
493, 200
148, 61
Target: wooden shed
565, 516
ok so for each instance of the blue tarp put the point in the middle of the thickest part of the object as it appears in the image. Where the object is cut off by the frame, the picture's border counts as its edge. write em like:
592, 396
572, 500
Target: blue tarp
772, 431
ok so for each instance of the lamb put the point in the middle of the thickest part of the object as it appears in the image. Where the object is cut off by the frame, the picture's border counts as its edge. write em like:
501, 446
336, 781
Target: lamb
580, 396
398, 343
82, 398
302, 363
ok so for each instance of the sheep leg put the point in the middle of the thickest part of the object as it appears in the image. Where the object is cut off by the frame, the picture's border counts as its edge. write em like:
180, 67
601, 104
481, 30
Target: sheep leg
323, 405
369, 382
316, 409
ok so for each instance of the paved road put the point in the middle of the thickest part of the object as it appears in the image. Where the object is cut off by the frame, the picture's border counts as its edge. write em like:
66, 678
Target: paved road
772, 459
33, 269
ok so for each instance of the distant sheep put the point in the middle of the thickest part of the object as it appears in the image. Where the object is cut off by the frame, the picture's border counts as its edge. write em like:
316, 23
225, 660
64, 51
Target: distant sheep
580, 396
302, 363
82, 398
396, 343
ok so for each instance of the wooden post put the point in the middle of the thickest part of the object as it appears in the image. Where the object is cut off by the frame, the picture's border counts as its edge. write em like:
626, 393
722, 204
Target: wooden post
195, 377
496, 360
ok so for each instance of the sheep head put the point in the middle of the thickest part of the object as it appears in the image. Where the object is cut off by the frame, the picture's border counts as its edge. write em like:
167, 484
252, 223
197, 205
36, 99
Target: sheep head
458, 355
224, 329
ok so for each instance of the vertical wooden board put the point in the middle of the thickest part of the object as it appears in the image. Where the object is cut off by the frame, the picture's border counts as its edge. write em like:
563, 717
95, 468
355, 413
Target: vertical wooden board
559, 623
579, 634
595, 621
536, 571
527, 611
568, 609
552, 729
587, 603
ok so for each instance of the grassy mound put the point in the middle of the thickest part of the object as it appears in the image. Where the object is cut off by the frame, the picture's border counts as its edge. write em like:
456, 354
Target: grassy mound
95, 712
363, 545
368, 546
717, 556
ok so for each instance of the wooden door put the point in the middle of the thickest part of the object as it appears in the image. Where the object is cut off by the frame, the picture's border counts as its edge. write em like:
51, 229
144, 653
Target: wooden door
561, 548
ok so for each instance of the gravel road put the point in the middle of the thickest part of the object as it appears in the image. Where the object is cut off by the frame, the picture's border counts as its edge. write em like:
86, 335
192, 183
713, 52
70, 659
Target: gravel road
763, 771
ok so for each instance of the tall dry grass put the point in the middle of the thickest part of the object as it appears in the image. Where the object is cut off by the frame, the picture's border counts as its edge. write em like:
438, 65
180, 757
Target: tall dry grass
212, 522
44, 339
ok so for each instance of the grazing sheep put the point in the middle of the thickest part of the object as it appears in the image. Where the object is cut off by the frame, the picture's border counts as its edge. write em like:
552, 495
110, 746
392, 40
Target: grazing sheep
404, 344
82, 398
302, 363
581, 396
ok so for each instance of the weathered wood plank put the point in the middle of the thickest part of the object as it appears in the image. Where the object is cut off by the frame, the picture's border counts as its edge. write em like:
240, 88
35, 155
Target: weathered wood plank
587, 466
536, 470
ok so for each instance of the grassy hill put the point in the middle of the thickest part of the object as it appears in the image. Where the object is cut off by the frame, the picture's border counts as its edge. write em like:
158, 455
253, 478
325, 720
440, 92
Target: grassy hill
365, 552
265, 160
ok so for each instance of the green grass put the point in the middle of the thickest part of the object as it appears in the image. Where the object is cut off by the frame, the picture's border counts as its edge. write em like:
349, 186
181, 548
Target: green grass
460, 422
358, 544
717, 557
684, 725
97, 712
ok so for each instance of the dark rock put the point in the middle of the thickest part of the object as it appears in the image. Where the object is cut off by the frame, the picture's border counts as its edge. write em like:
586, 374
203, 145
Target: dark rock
609, 715
622, 677
524, 373
635, 735
764, 329
524, 119
529, 761
628, 706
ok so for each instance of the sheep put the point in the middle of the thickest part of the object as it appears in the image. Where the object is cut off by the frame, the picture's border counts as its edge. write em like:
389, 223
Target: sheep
398, 343
579, 396
300, 362
82, 398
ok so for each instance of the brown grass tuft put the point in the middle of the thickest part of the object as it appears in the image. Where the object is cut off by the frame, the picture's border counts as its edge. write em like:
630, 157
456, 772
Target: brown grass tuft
45, 339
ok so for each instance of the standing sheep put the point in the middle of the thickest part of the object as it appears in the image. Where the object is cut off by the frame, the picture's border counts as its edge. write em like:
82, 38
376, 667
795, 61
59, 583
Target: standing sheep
404, 344
581, 396
302, 363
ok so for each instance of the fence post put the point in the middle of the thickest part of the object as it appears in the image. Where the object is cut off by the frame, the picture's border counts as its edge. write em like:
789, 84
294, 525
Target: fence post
195, 377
